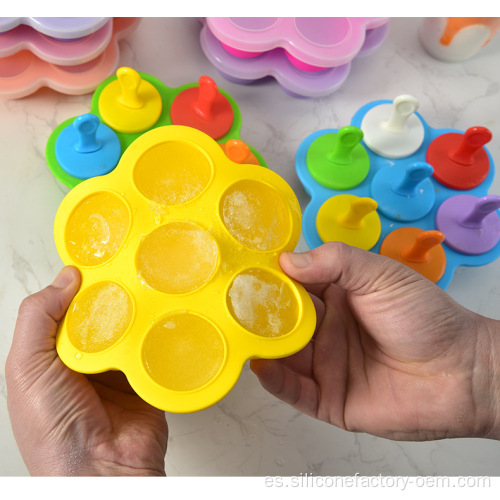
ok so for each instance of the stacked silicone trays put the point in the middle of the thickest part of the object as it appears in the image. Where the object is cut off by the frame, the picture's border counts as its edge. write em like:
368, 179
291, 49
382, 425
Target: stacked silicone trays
308, 56
130, 103
178, 249
392, 184
70, 55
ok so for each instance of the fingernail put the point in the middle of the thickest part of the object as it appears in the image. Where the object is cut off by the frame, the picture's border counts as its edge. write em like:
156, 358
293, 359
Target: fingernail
63, 279
300, 259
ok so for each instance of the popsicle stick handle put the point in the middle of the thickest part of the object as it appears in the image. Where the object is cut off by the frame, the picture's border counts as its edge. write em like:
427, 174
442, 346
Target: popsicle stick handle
86, 128
483, 206
208, 91
359, 209
403, 107
347, 138
130, 81
414, 175
425, 241
237, 150
474, 139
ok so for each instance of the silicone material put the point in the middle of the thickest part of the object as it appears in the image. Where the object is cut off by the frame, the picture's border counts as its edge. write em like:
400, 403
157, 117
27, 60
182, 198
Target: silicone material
421, 250
460, 161
401, 189
339, 161
239, 152
59, 27
181, 283
203, 108
54, 50
406, 194
23, 73
319, 41
130, 104
277, 64
393, 130
120, 112
350, 219
87, 148
373, 38
471, 224
274, 64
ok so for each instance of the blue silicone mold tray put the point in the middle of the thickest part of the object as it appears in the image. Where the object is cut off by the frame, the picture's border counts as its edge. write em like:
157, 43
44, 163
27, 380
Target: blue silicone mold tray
394, 168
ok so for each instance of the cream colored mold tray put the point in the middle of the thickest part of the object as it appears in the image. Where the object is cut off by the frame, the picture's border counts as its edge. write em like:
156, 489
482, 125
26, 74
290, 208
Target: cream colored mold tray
178, 249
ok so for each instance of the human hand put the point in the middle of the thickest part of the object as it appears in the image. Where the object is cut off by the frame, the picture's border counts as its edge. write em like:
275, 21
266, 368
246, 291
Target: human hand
393, 355
66, 423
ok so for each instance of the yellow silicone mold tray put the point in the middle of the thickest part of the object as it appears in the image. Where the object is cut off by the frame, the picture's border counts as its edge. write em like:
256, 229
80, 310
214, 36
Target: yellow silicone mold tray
178, 249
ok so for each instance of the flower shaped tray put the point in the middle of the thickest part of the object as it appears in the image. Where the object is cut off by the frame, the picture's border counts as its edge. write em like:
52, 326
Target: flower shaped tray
130, 103
55, 50
325, 41
279, 65
178, 249
23, 72
403, 184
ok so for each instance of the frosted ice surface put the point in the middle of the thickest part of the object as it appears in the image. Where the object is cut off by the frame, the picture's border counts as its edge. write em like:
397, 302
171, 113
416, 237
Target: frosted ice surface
258, 304
100, 318
251, 222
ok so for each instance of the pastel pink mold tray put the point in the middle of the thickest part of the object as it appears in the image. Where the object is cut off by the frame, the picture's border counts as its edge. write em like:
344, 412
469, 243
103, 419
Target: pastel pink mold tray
23, 73
275, 63
56, 50
324, 42
59, 27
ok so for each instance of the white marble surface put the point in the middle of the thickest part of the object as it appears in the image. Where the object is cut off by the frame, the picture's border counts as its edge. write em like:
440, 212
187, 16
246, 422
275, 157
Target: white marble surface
250, 433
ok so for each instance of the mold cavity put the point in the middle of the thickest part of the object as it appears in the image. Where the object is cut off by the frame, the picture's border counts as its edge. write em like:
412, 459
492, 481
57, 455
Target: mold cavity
256, 215
183, 352
16, 64
323, 31
99, 316
178, 257
172, 173
262, 303
81, 68
96, 229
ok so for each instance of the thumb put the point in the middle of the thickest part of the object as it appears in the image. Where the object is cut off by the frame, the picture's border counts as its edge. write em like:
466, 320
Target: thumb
351, 268
39, 316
